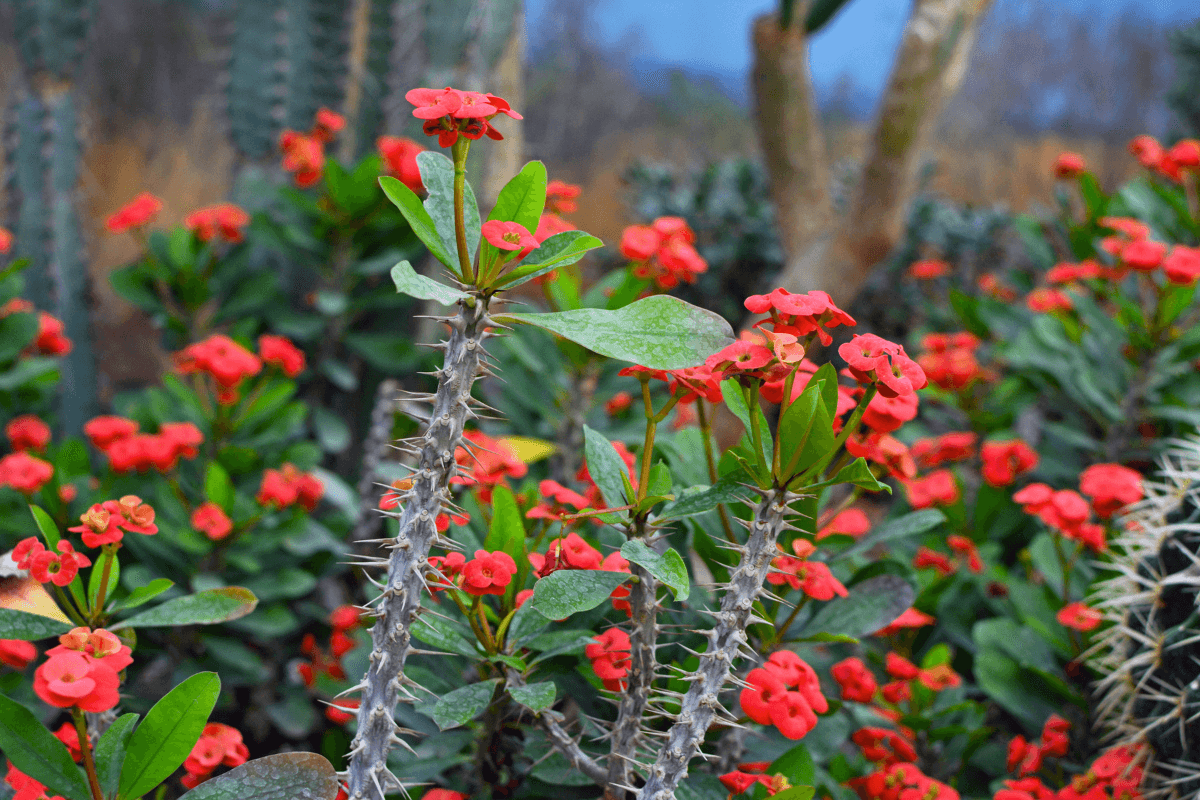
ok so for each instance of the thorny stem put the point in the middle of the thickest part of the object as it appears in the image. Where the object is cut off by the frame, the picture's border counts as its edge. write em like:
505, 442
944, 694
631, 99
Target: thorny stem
85, 747
562, 741
706, 433
460, 222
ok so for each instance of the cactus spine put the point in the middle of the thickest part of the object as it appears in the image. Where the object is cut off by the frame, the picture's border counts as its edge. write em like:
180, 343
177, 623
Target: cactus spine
1150, 655
385, 685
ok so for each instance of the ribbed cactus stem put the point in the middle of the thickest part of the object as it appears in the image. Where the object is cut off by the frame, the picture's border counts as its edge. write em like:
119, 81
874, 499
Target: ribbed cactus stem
702, 701
367, 774
643, 639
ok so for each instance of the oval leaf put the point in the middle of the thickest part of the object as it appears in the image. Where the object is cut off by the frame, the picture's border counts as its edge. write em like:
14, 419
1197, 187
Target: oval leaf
668, 567
418, 219
437, 174
559, 250
144, 594
569, 591
660, 332
605, 466
166, 737
202, 608
535, 696
287, 776
899, 528
523, 198
29, 627
110, 752
729, 489
858, 473
871, 605
38, 753
408, 281
461, 705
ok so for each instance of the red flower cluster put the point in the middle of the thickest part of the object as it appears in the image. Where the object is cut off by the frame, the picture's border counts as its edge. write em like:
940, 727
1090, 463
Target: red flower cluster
50, 340
222, 221
1064, 511
451, 112
1044, 300
27, 432
127, 450
872, 359
82, 671
26, 788
557, 501
857, 682
609, 654
1025, 758
304, 153
139, 211
912, 618
618, 403
220, 357
852, 522
1170, 163
1069, 165
901, 781
812, 577
16, 653
938, 488
561, 197
24, 472
218, 745
1069, 273
945, 449
278, 351
663, 252
1111, 487
801, 314
211, 520
887, 414
786, 693
400, 158
1079, 617
107, 522
990, 285
949, 360
289, 486
58, 566
343, 620
1004, 461
751, 774
885, 450
491, 462
928, 269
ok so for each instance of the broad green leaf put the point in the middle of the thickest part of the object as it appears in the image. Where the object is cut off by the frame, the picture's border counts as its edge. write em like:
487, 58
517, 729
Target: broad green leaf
569, 591
110, 752
728, 489
796, 793
560, 250
46, 525
900, 528
731, 391
858, 473
660, 332
97, 575
805, 432
38, 753
218, 487
828, 376
668, 567
507, 530
209, 607
606, 468
796, 765
409, 282
461, 705
523, 198
144, 594
168, 733
660, 482
535, 696
870, 605
418, 219
437, 174
28, 627
286, 776
440, 633
333, 434
819, 14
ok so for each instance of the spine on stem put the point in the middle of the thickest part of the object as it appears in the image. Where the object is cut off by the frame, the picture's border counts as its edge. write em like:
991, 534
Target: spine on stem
367, 775
701, 703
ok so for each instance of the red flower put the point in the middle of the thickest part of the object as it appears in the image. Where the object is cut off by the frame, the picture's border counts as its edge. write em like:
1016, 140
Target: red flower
966, 547
1069, 165
790, 668
24, 473
929, 558
561, 501
400, 158
344, 618
488, 573
218, 745
449, 112
95, 645
1004, 461
6, 240
938, 488
947, 448
621, 401
442, 794
211, 520
928, 269
1147, 150
560, 197
912, 618
69, 736
71, 680
326, 124
742, 357
303, 156
221, 357
1047, 301
857, 682
737, 782
103, 431
886, 414
508, 236
490, 461
134, 214
222, 221
851, 522
609, 654
16, 653
800, 314
640, 242
792, 716
279, 351
764, 688
342, 710
1143, 255
287, 486
939, 678
27, 432
1111, 487
184, 438
896, 692
50, 340
1080, 617
883, 745
990, 285
1182, 266
872, 359
900, 667
1185, 153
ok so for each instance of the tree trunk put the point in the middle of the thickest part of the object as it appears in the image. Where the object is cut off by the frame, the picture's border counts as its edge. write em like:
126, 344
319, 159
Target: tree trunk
929, 68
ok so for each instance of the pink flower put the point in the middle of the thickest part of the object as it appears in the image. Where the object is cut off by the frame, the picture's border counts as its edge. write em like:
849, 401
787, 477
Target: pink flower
508, 235
71, 680
488, 573
1080, 617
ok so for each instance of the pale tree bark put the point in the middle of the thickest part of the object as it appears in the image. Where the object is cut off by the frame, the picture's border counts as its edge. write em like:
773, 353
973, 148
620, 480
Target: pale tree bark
929, 68
356, 68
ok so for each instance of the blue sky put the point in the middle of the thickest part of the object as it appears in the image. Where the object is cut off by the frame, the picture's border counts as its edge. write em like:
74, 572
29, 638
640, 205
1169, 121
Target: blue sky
713, 35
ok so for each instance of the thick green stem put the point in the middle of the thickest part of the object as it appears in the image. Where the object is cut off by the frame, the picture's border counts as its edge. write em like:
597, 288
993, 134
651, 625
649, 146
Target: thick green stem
460, 221
109, 554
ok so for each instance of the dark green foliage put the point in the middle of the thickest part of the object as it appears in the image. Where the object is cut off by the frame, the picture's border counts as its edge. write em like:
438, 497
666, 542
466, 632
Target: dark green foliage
1184, 97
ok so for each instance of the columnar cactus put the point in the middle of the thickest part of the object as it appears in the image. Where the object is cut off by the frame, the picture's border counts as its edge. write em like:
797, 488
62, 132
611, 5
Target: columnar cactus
1150, 694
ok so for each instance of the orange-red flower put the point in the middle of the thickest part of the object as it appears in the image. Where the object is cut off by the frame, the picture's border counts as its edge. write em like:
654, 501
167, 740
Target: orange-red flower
211, 520
137, 212
1080, 617
27, 432
400, 158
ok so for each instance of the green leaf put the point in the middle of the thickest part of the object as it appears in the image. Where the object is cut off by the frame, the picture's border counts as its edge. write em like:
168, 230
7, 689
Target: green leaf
606, 467
796, 793
728, 489
461, 705
97, 575
209, 607
660, 332
569, 591
668, 567
871, 605
507, 530
535, 696
437, 174
286, 776
333, 434
217, 486
560, 250
28, 627
523, 198
660, 482
38, 753
819, 14
409, 282
144, 594
46, 525
418, 219
900, 528
857, 472
796, 765
828, 377
441, 633
168, 733
731, 391
805, 432
110, 752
